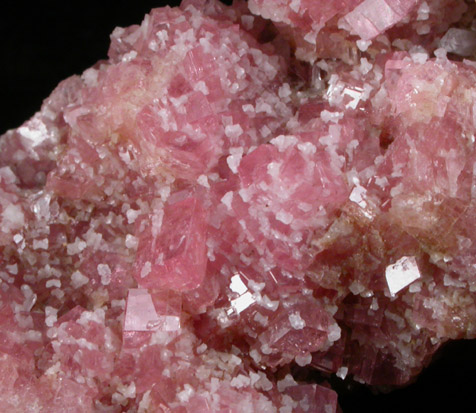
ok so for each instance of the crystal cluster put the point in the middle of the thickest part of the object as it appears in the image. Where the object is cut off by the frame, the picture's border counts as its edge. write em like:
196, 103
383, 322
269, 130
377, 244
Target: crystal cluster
237, 191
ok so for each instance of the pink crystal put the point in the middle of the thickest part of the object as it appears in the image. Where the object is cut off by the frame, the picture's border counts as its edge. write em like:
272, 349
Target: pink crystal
142, 314
372, 17
174, 256
312, 397
237, 194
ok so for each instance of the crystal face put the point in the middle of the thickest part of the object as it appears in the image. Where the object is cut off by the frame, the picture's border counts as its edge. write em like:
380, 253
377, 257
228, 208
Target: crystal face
239, 194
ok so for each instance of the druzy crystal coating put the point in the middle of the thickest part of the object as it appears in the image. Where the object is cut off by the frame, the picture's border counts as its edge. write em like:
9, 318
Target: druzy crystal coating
237, 193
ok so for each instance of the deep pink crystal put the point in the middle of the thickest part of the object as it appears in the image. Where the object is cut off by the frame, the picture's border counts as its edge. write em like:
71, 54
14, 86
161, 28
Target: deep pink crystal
237, 193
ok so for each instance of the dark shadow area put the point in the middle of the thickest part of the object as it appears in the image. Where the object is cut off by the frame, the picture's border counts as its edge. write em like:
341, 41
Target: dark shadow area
448, 384
46, 43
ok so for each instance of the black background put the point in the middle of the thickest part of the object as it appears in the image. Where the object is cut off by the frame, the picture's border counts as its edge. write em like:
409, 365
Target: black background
41, 46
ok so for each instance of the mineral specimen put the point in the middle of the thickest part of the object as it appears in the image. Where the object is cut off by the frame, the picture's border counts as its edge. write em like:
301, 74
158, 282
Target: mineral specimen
237, 195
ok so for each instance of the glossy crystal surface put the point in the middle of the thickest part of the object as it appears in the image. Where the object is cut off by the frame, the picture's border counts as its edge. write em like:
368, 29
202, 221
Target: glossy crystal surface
237, 191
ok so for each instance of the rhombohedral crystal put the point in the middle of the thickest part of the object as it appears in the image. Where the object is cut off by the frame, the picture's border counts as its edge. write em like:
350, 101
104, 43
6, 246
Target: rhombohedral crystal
237, 193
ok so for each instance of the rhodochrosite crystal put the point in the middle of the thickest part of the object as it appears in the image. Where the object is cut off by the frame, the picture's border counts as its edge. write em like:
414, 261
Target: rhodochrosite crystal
238, 195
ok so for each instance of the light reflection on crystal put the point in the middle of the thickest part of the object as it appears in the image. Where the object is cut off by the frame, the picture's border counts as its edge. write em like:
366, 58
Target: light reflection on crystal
242, 302
401, 274
237, 285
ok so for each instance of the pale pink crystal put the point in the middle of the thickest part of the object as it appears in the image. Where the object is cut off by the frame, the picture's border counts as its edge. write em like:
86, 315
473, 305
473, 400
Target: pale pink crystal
373, 17
172, 252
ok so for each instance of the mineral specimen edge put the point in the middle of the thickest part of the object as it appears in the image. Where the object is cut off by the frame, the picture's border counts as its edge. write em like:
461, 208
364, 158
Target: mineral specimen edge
81, 268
